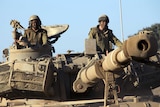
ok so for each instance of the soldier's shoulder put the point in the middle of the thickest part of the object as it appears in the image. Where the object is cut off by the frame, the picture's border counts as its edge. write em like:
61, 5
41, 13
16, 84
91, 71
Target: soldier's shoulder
28, 30
110, 30
44, 30
93, 29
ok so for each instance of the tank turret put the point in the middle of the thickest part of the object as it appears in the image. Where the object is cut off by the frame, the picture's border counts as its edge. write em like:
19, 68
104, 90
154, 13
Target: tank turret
140, 46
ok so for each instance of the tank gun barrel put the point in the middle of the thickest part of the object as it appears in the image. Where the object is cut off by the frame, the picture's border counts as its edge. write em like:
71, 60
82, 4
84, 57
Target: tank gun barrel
138, 47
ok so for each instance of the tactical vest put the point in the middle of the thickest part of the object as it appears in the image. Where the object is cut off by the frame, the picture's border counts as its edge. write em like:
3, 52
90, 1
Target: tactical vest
35, 38
102, 39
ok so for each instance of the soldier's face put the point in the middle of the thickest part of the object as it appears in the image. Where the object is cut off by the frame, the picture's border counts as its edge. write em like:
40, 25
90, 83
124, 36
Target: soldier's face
34, 24
102, 23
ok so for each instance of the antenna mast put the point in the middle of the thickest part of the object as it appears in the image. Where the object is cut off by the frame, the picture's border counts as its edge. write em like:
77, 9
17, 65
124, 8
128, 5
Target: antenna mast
121, 20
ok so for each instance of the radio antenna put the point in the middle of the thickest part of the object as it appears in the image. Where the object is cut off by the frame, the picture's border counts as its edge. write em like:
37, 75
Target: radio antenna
121, 20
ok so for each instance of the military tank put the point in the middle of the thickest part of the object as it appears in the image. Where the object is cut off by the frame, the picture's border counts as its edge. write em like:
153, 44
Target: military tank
127, 77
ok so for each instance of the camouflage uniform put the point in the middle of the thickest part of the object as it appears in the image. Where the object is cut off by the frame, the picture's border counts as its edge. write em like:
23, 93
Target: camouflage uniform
103, 39
36, 38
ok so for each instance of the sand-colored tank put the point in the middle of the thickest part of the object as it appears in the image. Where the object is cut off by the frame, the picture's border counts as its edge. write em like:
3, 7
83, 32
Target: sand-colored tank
126, 77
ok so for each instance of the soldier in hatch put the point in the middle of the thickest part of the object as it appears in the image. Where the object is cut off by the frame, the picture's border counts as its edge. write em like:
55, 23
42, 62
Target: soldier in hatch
35, 35
104, 36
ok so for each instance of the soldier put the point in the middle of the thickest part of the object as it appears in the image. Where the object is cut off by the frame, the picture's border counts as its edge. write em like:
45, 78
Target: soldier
35, 35
104, 36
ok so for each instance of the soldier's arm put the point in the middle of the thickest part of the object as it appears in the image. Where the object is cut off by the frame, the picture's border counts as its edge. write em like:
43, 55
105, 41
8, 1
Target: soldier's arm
23, 39
115, 40
44, 38
91, 34
118, 43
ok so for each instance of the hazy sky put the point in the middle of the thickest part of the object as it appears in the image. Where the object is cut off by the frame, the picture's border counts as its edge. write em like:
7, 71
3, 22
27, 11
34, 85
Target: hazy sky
81, 15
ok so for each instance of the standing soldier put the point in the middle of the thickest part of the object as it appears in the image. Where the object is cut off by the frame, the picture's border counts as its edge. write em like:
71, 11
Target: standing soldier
104, 36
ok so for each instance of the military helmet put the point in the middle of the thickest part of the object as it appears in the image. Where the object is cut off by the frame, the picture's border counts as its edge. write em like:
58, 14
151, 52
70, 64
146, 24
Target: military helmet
103, 18
35, 17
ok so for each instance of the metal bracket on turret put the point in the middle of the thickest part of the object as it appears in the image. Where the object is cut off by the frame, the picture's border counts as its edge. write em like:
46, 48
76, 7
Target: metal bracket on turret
110, 86
16, 24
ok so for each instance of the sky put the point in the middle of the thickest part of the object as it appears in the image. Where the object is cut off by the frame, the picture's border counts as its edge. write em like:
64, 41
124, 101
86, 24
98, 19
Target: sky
80, 15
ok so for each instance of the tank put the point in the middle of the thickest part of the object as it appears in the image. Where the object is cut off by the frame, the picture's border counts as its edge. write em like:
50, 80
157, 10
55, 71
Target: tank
127, 77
